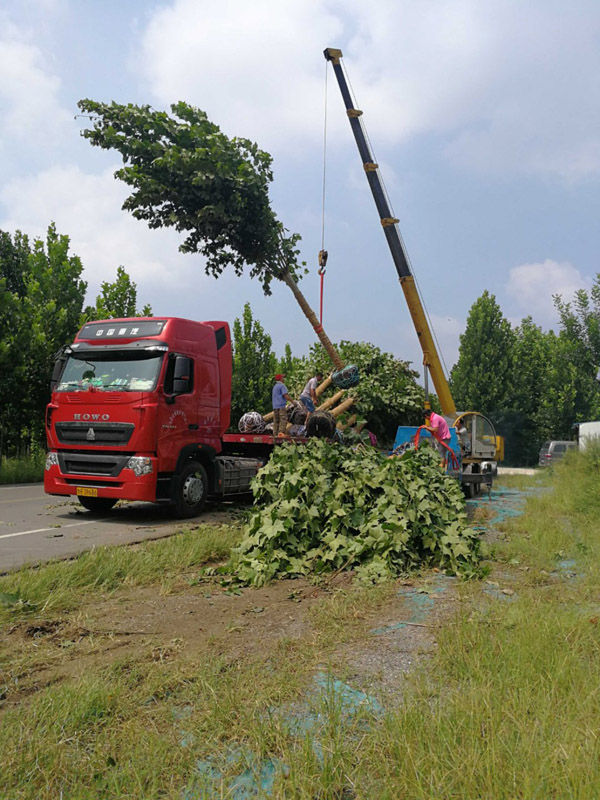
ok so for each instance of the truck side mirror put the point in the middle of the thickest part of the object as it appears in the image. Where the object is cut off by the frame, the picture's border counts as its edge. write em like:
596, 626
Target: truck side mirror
59, 365
182, 380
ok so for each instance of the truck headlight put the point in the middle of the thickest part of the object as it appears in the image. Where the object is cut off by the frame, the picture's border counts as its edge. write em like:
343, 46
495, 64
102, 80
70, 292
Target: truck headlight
140, 465
51, 460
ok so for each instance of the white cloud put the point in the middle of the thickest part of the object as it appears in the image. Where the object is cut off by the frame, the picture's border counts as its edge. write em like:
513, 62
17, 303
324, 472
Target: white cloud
246, 64
508, 87
30, 112
532, 286
88, 209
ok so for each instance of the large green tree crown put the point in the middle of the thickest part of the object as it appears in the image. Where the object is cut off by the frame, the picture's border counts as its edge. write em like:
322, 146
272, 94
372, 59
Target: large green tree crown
185, 173
479, 378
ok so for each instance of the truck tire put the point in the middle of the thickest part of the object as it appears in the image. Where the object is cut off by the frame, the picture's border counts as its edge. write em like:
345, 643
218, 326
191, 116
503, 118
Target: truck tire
190, 490
469, 490
99, 505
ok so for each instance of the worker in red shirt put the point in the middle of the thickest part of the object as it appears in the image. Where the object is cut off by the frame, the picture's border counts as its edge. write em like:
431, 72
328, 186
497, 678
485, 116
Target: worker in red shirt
438, 424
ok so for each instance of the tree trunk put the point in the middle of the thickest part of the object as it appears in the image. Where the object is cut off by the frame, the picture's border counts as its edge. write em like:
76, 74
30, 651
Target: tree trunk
327, 404
338, 410
343, 425
312, 318
324, 406
325, 385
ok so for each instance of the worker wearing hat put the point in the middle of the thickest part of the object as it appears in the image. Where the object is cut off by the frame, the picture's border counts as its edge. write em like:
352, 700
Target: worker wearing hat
280, 399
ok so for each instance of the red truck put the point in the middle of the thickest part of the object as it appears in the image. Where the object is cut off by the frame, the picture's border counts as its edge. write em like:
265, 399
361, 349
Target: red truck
139, 411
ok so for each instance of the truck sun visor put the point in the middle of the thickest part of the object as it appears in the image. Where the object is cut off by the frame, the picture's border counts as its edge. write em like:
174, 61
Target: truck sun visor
148, 347
126, 330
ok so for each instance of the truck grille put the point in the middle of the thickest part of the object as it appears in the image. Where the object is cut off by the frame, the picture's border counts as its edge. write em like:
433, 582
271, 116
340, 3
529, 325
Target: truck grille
109, 466
111, 433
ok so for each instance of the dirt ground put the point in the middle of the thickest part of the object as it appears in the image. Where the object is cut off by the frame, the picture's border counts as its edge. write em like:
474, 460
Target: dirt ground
191, 618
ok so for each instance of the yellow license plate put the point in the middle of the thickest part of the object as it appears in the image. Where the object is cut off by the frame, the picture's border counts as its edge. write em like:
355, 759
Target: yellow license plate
87, 491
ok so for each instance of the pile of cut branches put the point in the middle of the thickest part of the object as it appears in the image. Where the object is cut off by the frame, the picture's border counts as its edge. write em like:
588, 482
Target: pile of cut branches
323, 507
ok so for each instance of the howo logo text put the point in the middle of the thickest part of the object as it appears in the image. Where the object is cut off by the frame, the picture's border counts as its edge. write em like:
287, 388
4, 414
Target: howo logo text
88, 417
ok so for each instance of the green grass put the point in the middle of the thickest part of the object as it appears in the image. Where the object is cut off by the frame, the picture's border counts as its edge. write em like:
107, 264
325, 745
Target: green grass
22, 470
507, 708
63, 585
136, 730
542, 477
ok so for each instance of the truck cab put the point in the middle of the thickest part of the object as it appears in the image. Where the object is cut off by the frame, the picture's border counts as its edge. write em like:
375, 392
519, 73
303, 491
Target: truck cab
138, 412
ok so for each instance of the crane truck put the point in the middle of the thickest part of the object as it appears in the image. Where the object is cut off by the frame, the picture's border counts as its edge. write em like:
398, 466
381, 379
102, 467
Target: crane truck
477, 446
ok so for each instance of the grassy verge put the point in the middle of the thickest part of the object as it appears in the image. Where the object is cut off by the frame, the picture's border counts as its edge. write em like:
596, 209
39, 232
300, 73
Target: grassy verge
506, 710
22, 470
162, 726
542, 477
510, 708
62, 585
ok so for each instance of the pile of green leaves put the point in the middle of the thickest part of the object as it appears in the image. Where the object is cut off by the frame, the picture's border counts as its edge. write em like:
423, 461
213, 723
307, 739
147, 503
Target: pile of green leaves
324, 507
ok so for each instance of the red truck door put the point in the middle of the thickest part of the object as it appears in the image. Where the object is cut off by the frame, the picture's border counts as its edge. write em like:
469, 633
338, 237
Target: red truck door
178, 410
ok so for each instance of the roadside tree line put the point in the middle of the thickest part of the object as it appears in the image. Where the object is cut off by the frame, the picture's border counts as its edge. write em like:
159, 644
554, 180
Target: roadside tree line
534, 384
42, 296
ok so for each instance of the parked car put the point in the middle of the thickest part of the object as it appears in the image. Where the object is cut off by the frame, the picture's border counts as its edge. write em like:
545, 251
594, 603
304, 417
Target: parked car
553, 451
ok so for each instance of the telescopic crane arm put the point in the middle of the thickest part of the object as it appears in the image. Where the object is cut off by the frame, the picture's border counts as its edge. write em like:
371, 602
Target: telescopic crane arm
431, 359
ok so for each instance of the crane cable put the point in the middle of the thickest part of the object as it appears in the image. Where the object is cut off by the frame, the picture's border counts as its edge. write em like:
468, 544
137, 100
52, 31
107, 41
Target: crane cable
322, 251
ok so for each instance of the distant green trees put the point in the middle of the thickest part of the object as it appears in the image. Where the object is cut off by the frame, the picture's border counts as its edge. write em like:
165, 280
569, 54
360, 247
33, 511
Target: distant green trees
41, 308
486, 358
254, 365
534, 384
41, 298
117, 299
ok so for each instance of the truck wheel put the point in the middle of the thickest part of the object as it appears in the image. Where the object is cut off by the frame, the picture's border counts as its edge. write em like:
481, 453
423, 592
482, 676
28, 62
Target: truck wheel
99, 505
191, 489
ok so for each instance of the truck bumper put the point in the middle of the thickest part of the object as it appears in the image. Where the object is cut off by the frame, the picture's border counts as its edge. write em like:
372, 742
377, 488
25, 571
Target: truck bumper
127, 486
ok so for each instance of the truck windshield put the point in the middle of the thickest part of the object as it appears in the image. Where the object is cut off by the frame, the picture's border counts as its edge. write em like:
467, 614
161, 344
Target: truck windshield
111, 371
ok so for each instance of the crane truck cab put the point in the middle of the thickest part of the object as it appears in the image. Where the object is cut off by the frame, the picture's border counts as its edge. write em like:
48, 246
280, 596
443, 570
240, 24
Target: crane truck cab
480, 449
474, 443
139, 411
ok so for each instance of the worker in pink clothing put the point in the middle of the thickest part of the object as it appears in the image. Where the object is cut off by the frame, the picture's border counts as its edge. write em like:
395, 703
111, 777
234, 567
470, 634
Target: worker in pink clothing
438, 424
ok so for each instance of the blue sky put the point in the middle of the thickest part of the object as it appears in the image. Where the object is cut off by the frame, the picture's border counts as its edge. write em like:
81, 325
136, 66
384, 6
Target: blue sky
484, 118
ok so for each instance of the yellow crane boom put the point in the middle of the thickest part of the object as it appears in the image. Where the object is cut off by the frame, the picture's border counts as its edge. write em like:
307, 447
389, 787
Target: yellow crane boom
431, 359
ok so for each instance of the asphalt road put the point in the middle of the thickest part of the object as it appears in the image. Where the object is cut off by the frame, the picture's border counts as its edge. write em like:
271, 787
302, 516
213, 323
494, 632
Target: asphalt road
35, 527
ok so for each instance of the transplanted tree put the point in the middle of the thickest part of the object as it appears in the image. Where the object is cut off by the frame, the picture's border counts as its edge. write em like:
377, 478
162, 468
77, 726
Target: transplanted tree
388, 394
482, 378
186, 174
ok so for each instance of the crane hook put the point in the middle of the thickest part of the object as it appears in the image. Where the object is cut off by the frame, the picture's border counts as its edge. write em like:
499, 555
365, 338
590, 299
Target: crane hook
322, 261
